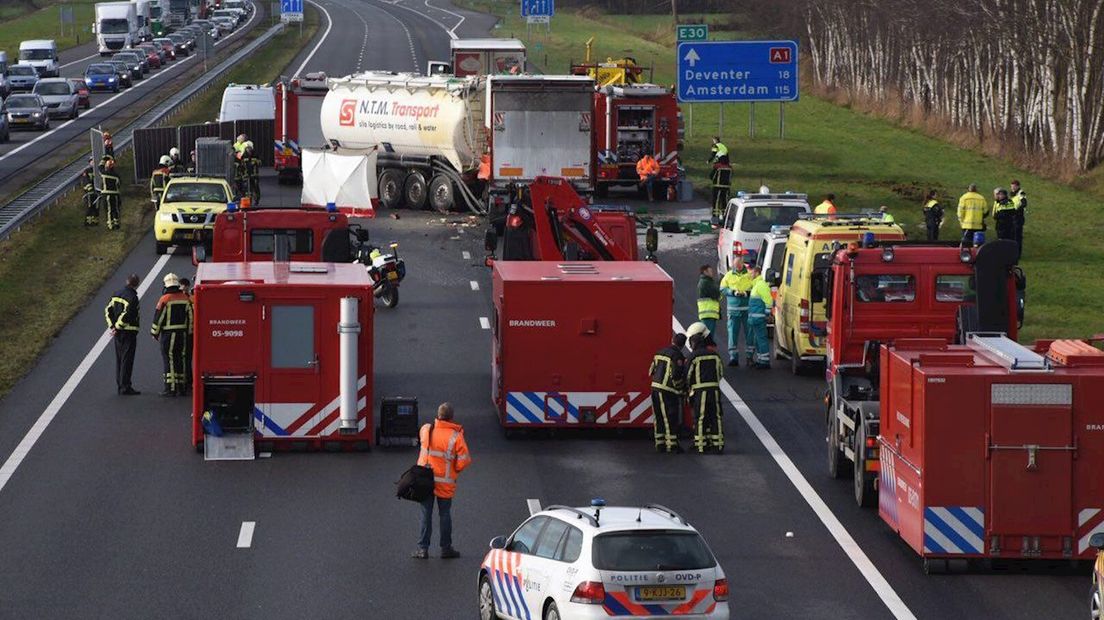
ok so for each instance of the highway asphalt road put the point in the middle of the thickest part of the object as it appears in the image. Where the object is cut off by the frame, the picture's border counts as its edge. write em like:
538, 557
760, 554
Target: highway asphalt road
26, 146
112, 514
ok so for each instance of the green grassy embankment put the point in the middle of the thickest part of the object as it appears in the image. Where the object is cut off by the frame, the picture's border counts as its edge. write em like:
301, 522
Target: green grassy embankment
52, 268
40, 19
865, 161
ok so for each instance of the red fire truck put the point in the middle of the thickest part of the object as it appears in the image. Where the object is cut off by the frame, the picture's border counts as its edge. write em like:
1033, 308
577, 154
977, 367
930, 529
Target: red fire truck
283, 358
298, 122
303, 234
572, 342
888, 290
992, 450
630, 120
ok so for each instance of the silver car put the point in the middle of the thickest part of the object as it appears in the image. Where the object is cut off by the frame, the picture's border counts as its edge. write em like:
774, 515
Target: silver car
60, 97
26, 111
22, 77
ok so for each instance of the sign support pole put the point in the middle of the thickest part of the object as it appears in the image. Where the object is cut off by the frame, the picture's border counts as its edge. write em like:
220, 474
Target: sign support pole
751, 121
720, 123
691, 119
781, 120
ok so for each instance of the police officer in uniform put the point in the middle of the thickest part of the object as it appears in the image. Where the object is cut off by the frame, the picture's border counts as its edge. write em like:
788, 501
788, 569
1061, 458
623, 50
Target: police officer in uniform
668, 373
90, 197
1004, 214
110, 192
172, 325
122, 319
933, 216
1019, 199
704, 371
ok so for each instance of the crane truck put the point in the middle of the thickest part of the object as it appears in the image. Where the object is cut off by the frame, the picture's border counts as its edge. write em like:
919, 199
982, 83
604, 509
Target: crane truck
885, 290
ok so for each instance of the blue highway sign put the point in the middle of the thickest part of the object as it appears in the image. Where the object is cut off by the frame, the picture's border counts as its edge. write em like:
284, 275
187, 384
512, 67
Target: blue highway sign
291, 6
718, 71
536, 8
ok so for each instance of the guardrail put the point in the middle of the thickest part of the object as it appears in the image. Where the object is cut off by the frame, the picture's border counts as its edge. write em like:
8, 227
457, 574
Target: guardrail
49, 190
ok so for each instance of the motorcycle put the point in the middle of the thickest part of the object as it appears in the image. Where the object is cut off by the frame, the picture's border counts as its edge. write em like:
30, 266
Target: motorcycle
386, 270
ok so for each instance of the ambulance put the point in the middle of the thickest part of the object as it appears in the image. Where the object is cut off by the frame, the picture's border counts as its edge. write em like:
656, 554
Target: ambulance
800, 332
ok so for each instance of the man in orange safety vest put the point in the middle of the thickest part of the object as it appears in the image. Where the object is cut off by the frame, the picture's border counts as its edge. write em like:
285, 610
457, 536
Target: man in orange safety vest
443, 449
648, 169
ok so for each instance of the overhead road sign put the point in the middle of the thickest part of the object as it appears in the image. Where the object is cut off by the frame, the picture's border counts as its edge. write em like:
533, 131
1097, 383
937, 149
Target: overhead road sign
692, 32
746, 71
537, 8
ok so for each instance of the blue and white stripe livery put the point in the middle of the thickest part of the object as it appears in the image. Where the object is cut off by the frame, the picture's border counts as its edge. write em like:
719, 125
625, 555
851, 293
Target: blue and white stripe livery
954, 530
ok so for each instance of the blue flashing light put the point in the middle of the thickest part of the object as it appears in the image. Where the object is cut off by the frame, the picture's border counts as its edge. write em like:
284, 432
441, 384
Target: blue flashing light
231, 207
331, 207
979, 238
597, 502
868, 240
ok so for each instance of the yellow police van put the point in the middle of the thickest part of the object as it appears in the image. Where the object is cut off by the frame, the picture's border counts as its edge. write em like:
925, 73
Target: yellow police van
799, 323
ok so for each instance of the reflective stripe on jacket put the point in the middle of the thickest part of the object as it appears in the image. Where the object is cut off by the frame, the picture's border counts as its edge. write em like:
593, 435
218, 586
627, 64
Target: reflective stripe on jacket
704, 370
121, 312
668, 370
760, 299
972, 210
174, 313
446, 452
709, 298
647, 166
735, 285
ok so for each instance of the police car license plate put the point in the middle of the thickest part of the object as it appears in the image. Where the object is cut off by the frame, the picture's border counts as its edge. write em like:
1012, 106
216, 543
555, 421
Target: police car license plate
661, 593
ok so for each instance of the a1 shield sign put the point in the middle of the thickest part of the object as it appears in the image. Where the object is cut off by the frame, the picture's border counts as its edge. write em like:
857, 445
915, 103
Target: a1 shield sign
720, 71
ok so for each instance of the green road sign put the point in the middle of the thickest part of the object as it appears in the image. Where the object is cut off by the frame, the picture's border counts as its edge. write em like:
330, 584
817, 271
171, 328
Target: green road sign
692, 32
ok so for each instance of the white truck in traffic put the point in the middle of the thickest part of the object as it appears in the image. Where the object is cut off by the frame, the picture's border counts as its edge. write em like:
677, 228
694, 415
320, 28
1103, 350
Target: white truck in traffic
116, 26
142, 9
446, 141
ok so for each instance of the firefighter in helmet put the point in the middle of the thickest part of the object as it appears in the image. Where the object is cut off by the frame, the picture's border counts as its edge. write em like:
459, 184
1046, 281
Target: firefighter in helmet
159, 179
108, 144
668, 373
176, 164
704, 371
252, 165
172, 326
111, 192
90, 196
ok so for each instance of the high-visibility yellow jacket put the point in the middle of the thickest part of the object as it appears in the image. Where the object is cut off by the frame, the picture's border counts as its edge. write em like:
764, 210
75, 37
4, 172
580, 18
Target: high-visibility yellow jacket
825, 208
972, 211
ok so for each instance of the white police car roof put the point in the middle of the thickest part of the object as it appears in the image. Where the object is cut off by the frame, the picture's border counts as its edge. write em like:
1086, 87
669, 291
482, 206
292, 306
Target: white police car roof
618, 518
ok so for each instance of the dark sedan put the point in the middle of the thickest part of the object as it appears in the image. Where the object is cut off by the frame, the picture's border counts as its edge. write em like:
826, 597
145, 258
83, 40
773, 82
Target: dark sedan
167, 46
126, 79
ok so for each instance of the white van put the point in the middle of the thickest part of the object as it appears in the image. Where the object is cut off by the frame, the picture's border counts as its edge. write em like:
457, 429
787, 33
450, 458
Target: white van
42, 54
116, 26
751, 216
247, 102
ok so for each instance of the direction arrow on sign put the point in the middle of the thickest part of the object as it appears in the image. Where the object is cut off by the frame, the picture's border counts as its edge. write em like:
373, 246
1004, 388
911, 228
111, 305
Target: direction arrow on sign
716, 71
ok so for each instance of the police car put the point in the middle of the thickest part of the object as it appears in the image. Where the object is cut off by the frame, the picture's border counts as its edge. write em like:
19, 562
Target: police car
749, 218
602, 562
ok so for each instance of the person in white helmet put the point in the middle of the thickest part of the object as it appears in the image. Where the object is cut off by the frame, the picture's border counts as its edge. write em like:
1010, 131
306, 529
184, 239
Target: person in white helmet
704, 372
172, 326
159, 179
176, 165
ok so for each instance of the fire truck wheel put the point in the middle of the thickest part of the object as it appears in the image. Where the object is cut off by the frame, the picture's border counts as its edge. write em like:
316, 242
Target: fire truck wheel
441, 196
934, 566
864, 485
835, 457
391, 189
414, 190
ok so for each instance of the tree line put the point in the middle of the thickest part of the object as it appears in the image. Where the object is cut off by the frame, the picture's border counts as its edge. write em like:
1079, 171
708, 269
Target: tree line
1028, 72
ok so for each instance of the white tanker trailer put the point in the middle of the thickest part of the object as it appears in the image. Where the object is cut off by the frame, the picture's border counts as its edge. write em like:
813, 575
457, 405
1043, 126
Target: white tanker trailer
445, 141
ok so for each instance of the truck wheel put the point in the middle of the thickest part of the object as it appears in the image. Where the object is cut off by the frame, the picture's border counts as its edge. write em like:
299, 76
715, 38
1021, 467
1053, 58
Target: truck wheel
391, 189
441, 196
835, 457
159, 247
864, 488
414, 190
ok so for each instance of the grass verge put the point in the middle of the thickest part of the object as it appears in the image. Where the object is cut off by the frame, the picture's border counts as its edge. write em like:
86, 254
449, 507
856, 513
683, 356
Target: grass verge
51, 269
866, 161
41, 19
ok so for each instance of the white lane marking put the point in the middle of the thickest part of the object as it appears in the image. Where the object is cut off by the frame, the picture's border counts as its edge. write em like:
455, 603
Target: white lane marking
78, 61
67, 389
409, 38
836, 528
474, 285
245, 535
451, 32
264, 455
533, 505
128, 91
466, 255
329, 26
484, 322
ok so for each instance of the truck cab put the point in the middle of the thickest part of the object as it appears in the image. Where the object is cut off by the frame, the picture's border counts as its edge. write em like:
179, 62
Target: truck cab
750, 217
882, 292
800, 327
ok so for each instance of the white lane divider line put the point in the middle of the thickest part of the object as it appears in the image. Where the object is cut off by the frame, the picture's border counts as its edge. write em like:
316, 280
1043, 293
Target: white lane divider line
484, 322
7, 470
835, 527
533, 505
466, 255
329, 26
474, 285
451, 31
245, 535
